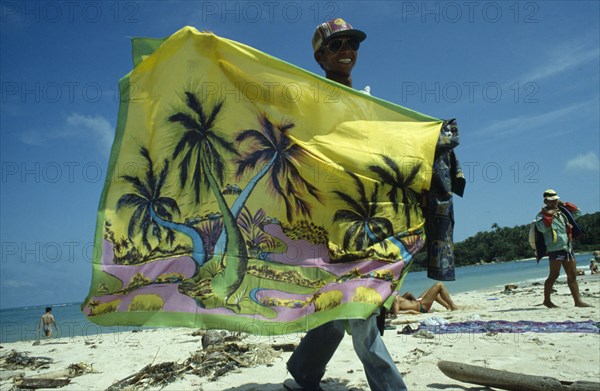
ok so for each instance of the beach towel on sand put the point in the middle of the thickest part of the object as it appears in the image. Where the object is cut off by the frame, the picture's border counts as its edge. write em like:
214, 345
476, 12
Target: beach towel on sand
244, 193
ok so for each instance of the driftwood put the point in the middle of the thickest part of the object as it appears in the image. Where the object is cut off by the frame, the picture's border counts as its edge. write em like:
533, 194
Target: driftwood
31, 383
505, 380
72, 370
50, 379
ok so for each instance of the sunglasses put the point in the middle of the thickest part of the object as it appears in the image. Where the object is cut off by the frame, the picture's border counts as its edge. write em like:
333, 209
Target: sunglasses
335, 45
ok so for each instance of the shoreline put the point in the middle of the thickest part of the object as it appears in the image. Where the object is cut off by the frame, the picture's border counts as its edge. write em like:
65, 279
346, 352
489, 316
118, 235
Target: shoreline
566, 356
73, 323
584, 266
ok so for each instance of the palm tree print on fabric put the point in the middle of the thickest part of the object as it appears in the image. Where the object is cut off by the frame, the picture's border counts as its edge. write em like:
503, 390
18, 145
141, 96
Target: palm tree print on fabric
272, 147
366, 228
149, 203
202, 149
392, 176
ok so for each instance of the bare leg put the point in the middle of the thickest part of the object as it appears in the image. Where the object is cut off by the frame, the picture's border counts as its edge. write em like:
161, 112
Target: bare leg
441, 302
571, 270
439, 293
429, 296
552, 276
444, 299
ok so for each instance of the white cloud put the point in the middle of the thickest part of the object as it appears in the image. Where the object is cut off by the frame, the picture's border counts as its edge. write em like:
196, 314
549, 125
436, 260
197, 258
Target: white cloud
524, 123
95, 128
565, 57
584, 162
30, 137
14, 284
100, 129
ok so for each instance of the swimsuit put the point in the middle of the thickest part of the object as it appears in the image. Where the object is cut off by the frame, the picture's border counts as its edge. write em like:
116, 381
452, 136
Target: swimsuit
421, 307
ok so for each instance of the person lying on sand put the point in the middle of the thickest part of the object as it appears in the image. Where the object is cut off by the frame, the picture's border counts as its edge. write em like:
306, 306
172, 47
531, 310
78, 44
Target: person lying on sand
408, 304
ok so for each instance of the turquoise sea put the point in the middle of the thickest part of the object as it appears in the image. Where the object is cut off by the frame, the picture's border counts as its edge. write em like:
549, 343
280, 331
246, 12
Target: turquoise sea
20, 324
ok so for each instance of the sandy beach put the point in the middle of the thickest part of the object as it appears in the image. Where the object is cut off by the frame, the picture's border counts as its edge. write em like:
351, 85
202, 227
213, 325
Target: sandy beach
566, 356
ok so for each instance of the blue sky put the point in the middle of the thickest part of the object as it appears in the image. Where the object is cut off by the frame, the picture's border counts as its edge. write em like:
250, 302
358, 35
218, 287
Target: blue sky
522, 78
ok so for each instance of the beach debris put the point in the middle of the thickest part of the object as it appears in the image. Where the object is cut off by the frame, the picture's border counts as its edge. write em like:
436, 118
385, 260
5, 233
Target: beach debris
151, 375
407, 330
18, 360
228, 353
424, 334
213, 337
221, 353
80, 369
506, 380
510, 289
284, 347
35, 383
53, 379
415, 356
537, 341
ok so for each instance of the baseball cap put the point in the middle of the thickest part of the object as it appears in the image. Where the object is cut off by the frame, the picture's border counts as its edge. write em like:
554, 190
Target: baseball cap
550, 195
332, 28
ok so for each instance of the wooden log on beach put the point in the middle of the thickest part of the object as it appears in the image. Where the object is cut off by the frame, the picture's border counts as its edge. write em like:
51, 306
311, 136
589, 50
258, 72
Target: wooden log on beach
506, 380
35, 383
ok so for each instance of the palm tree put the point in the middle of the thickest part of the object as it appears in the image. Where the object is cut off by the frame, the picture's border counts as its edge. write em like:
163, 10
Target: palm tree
366, 228
273, 148
200, 141
149, 204
201, 147
392, 176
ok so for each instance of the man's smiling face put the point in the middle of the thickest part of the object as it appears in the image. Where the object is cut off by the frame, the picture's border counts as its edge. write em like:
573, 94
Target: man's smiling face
338, 62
